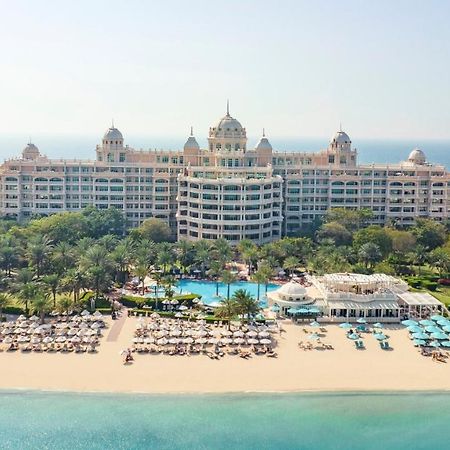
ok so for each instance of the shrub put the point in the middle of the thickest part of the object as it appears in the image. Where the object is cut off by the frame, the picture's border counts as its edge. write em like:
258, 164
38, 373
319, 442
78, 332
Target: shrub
430, 285
444, 281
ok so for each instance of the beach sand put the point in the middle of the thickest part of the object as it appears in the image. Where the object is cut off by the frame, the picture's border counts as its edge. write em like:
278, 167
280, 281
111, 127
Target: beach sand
343, 368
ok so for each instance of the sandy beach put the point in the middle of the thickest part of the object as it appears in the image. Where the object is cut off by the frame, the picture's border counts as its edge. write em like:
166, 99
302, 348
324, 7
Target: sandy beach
343, 368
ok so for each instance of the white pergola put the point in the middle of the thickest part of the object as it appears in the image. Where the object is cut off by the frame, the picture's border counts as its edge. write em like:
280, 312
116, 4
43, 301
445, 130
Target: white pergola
419, 304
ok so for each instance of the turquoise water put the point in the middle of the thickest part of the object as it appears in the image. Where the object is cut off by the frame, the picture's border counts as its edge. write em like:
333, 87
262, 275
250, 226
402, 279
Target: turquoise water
207, 289
252, 421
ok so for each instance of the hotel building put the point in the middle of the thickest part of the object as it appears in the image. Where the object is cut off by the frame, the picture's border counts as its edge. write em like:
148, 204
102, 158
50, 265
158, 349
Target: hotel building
227, 190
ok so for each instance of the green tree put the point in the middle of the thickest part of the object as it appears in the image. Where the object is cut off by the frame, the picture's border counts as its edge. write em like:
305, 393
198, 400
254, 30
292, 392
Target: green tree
166, 256
228, 278
155, 230
249, 253
65, 305
51, 283
38, 251
63, 257
41, 305
203, 255
215, 272
336, 232
352, 219
439, 258
246, 304
5, 300
376, 235
369, 254
429, 233
290, 263
98, 266
227, 310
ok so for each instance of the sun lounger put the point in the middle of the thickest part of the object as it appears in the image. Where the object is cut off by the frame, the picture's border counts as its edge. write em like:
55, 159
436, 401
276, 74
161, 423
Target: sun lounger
359, 345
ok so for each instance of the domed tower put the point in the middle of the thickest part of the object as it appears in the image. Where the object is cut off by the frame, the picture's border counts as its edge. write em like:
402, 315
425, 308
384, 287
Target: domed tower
191, 150
112, 149
340, 150
264, 150
417, 156
228, 135
30, 152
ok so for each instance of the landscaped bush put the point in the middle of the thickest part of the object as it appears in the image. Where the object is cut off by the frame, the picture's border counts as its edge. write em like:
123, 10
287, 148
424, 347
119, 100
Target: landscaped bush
430, 285
414, 282
444, 281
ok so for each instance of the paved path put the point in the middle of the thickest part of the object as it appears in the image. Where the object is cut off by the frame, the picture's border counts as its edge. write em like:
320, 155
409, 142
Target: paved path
117, 326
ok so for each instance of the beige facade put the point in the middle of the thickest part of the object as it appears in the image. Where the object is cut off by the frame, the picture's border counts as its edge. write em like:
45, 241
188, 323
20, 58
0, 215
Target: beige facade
226, 190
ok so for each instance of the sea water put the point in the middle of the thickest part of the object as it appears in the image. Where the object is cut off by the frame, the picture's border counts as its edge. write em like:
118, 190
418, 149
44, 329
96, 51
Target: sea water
313, 421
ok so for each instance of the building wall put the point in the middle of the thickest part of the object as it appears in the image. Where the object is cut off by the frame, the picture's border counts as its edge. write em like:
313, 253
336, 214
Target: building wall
229, 191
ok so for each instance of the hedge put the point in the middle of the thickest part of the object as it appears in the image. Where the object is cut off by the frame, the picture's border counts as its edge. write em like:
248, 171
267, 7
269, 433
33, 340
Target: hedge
430, 285
132, 301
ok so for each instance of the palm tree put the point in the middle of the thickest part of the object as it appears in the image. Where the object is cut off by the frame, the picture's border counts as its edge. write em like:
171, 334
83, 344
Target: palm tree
267, 273
63, 257
369, 254
227, 310
9, 256
203, 255
214, 272
27, 293
41, 305
4, 303
228, 278
51, 282
74, 281
64, 305
165, 256
223, 250
38, 250
185, 255
259, 277
290, 263
97, 264
141, 271
249, 253
440, 259
419, 256
25, 286
247, 305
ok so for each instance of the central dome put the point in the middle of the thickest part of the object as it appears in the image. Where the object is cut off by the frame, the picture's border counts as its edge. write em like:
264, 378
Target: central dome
341, 138
228, 124
112, 134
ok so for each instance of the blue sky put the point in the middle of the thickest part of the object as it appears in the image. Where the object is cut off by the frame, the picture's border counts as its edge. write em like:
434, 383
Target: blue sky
297, 68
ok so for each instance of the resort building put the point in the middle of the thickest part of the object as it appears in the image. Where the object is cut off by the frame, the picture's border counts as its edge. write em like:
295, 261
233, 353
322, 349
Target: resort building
342, 297
229, 189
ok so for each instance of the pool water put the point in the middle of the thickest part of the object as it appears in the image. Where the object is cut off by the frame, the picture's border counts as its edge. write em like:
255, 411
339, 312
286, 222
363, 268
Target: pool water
207, 289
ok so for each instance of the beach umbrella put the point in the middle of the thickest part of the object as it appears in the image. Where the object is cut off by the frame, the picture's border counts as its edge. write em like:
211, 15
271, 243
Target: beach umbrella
23, 339
47, 340
378, 325
419, 342
275, 308
353, 336
174, 341
188, 340
346, 325
183, 308
34, 318
362, 320
263, 334
75, 340
149, 340
85, 312
35, 340
97, 314
239, 341
252, 341
23, 325
409, 322
201, 340
238, 333
137, 340
446, 328
415, 329
266, 341
314, 324
60, 339
443, 322
213, 341
432, 329
252, 334
380, 336
420, 335
434, 344
226, 340
155, 315
8, 340
292, 310
21, 318
175, 332
72, 332
314, 337
437, 317
445, 343
440, 336
162, 341
178, 315
426, 323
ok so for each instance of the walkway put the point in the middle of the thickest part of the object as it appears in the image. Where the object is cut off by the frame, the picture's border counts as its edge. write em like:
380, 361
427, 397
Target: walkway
117, 326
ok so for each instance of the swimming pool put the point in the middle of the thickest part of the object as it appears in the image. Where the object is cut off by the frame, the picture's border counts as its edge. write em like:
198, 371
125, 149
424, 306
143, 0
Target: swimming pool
207, 289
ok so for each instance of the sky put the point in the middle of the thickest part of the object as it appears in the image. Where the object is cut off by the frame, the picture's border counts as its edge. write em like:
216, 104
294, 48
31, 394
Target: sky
297, 68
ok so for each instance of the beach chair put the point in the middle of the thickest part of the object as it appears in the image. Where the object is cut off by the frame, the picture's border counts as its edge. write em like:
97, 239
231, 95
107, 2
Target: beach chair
359, 345
386, 345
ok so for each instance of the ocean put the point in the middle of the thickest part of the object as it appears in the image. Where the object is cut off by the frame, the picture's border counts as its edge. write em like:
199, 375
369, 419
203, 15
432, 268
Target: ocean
312, 421
370, 150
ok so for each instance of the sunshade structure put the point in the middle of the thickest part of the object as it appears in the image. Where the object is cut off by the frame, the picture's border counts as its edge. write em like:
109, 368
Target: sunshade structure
378, 325
421, 335
346, 325
361, 320
415, 329
409, 322
353, 336
380, 336
313, 337
426, 323
315, 324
